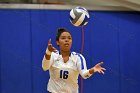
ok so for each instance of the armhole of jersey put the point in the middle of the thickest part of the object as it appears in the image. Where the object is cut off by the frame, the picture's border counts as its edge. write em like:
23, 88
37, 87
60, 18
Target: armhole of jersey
79, 56
82, 61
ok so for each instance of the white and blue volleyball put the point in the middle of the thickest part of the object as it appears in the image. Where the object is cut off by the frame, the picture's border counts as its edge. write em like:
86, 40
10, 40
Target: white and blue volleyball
79, 16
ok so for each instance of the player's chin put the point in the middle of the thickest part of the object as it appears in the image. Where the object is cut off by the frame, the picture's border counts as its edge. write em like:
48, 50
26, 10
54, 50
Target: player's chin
66, 49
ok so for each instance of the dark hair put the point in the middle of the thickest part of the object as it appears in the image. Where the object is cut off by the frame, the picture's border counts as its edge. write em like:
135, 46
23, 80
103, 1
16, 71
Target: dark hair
60, 31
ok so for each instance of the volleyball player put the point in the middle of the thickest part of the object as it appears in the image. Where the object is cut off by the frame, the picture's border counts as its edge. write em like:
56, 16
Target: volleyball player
65, 66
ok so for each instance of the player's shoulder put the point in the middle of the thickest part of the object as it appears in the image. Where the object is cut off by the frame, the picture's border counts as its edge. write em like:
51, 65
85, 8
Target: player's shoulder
77, 57
75, 54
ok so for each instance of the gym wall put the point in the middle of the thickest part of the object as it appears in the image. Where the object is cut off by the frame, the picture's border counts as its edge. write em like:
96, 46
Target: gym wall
110, 36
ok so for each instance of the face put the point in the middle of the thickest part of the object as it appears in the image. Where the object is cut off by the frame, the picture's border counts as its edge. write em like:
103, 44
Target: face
65, 41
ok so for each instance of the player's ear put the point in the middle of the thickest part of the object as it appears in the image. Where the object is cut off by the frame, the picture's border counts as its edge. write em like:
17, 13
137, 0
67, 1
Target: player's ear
57, 43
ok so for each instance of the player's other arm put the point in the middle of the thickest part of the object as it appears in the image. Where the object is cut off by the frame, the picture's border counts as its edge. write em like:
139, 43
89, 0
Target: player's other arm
86, 73
82, 68
47, 60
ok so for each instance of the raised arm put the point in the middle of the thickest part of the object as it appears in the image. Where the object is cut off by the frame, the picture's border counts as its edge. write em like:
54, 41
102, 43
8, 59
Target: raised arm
47, 60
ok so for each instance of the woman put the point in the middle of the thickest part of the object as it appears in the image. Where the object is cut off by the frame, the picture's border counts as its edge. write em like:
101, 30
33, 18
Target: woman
65, 66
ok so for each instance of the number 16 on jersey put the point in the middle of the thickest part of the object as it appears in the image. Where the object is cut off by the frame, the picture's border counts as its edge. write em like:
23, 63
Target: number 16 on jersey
64, 74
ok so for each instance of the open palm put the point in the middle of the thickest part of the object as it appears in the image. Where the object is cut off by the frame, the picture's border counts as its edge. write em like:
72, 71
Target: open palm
98, 68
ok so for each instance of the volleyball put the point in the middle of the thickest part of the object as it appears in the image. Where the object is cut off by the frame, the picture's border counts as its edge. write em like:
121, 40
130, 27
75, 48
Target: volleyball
79, 16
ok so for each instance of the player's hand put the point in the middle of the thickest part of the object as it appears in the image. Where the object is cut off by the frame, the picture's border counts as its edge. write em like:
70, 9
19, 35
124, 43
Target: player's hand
50, 48
98, 68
